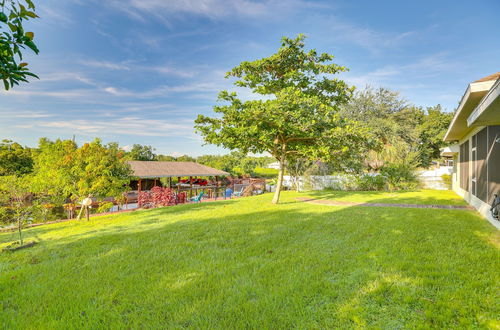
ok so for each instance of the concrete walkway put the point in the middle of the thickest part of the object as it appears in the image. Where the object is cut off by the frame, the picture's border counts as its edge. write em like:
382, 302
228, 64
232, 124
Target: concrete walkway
417, 206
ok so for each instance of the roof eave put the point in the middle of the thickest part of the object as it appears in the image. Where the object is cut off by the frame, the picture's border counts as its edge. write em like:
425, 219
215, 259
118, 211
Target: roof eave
474, 93
488, 110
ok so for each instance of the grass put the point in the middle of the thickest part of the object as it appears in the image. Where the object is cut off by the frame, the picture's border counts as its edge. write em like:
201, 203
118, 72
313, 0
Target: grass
249, 264
427, 197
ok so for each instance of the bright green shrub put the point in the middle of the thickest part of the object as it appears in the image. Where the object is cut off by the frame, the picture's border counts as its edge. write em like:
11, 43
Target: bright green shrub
104, 207
268, 173
446, 179
367, 182
399, 176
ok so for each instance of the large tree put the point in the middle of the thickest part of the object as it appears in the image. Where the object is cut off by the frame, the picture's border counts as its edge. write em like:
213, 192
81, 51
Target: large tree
66, 171
15, 159
141, 152
409, 133
296, 113
432, 130
14, 40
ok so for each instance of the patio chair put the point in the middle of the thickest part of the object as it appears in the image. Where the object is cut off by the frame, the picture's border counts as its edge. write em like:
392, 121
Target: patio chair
239, 193
197, 199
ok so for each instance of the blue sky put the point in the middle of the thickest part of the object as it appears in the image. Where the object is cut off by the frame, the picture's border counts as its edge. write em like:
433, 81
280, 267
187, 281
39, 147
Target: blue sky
139, 71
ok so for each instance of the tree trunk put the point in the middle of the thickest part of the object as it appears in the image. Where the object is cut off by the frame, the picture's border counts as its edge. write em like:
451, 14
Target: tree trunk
19, 228
297, 183
276, 197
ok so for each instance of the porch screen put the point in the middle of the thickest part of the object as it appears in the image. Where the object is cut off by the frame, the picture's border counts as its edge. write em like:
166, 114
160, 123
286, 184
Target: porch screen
464, 165
493, 162
480, 166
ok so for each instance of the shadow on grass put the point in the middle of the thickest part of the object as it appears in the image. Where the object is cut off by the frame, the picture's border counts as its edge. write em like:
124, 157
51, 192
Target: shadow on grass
396, 197
54, 228
291, 265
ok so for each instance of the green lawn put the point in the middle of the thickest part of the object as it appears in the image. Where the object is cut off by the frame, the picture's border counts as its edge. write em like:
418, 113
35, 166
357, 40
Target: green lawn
249, 264
436, 197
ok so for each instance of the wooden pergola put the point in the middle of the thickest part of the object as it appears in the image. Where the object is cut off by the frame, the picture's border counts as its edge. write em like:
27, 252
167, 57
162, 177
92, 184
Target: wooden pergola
155, 170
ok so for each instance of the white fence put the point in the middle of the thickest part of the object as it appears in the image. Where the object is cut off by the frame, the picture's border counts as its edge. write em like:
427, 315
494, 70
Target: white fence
430, 179
315, 182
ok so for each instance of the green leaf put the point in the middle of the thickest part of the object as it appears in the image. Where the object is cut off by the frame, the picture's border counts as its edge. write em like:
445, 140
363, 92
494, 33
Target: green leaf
3, 18
30, 35
31, 14
12, 27
30, 3
32, 46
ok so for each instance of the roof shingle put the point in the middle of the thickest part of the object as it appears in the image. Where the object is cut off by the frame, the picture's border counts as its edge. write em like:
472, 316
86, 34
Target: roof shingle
154, 169
494, 76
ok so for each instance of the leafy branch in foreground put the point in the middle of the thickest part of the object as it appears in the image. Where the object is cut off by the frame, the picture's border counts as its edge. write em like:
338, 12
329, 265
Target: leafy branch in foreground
14, 40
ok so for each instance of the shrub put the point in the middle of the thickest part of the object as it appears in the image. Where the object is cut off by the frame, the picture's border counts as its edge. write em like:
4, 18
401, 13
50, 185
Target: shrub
370, 182
145, 199
163, 196
267, 173
399, 176
158, 196
105, 207
447, 180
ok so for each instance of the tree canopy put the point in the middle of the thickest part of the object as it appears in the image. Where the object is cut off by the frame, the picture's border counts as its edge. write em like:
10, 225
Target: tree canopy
141, 152
408, 133
62, 169
296, 114
15, 159
14, 40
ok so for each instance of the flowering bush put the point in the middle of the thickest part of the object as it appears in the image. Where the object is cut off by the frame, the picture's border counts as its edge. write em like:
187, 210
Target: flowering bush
145, 199
158, 196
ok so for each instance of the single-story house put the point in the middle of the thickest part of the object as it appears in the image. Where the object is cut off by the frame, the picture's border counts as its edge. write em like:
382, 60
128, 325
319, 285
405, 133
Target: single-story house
476, 130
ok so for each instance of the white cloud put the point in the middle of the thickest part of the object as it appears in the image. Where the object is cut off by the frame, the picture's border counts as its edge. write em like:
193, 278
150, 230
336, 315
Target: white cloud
368, 38
213, 9
397, 75
32, 114
120, 126
177, 154
106, 65
129, 66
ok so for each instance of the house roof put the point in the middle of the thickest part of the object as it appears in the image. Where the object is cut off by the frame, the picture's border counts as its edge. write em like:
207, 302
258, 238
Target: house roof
478, 107
491, 77
154, 169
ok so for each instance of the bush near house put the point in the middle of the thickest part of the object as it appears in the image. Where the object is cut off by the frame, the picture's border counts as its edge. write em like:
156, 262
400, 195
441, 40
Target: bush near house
446, 179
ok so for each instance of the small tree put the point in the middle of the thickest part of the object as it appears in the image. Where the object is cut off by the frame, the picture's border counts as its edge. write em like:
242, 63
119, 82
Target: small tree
297, 114
297, 166
17, 197
13, 41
